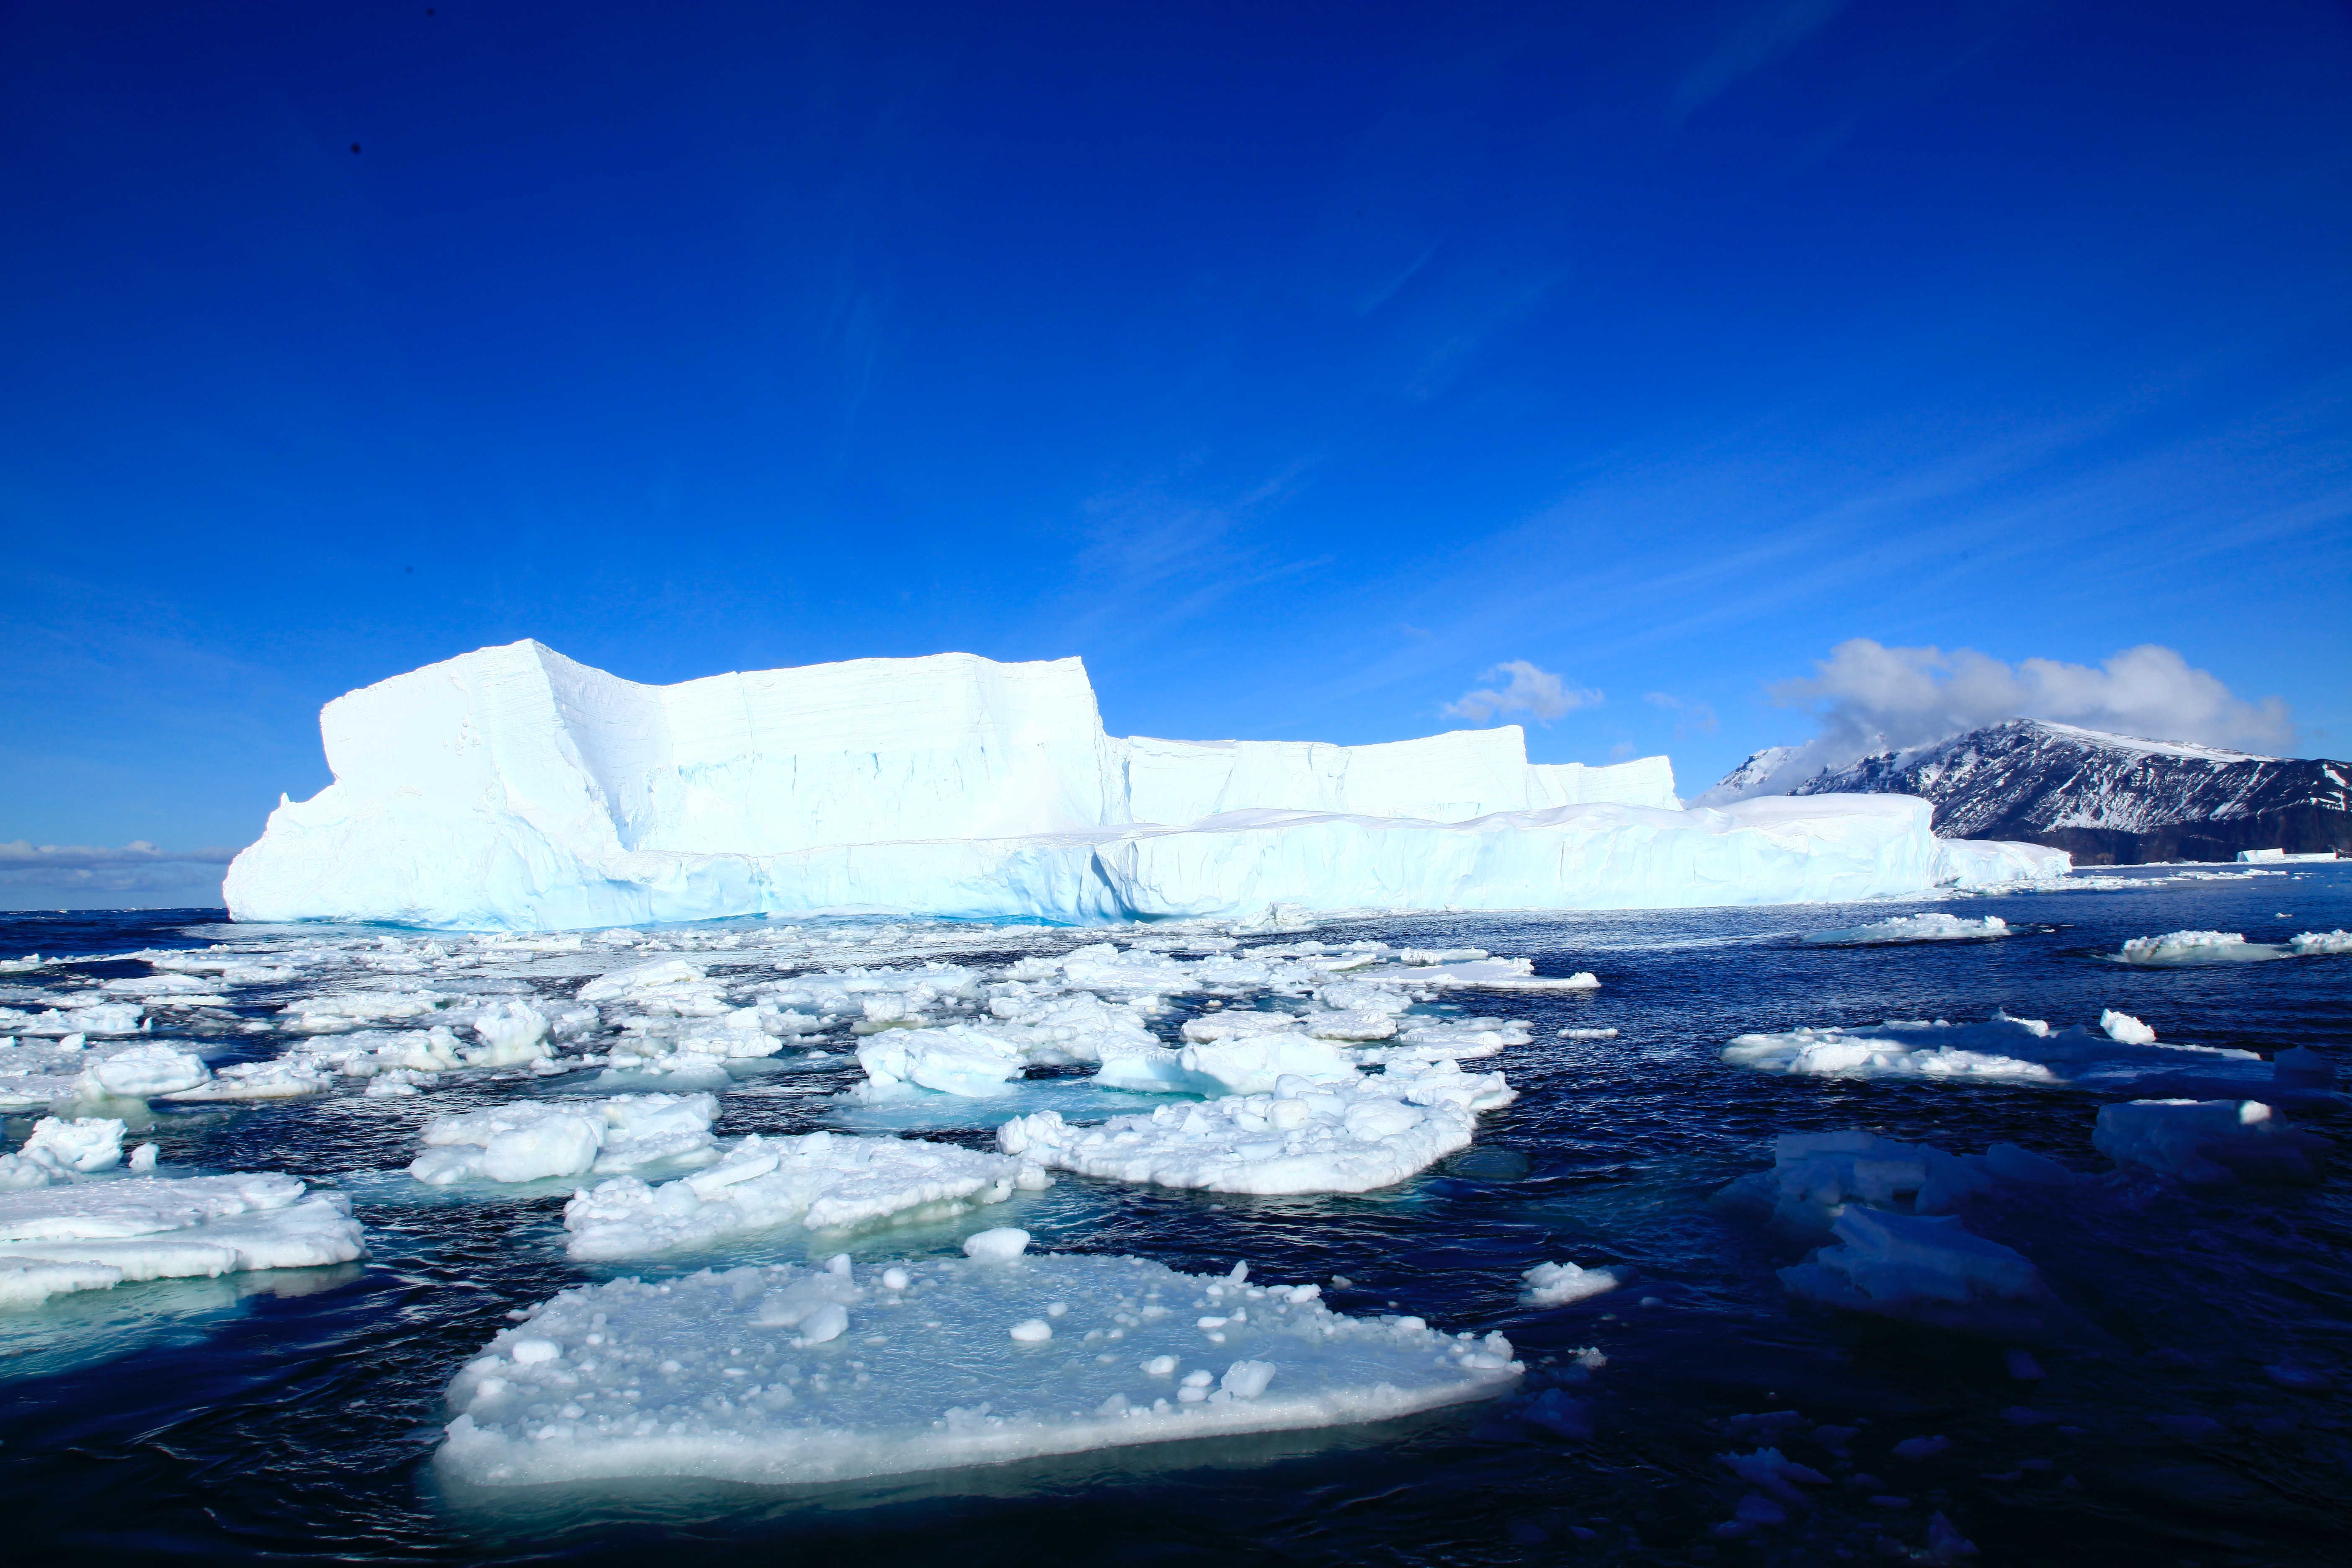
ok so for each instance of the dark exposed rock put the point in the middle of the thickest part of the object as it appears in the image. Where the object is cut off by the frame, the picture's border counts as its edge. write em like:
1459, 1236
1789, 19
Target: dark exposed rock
2111, 800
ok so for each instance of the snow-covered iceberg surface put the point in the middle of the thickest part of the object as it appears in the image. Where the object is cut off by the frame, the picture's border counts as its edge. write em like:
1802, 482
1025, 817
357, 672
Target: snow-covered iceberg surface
786, 1375
511, 788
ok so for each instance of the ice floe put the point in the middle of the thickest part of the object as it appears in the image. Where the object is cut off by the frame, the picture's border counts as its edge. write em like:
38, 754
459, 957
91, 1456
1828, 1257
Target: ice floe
2210, 1143
528, 1141
59, 1148
1560, 1284
787, 1374
820, 1181
93, 1234
1303, 1136
2001, 1050
1930, 927
2183, 949
1895, 1246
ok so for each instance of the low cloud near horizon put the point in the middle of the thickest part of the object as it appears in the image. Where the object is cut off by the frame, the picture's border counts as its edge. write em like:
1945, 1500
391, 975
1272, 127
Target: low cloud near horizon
1538, 693
1866, 698
68, 876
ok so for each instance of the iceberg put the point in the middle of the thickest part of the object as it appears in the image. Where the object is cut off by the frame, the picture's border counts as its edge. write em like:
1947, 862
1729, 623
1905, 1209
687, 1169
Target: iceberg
511, 788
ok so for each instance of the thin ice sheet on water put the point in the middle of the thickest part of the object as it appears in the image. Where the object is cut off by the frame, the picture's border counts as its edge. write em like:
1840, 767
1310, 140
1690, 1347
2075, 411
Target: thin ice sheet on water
786, 1375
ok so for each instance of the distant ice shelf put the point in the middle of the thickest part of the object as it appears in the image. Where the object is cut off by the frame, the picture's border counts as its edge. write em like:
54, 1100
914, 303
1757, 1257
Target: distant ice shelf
511, 788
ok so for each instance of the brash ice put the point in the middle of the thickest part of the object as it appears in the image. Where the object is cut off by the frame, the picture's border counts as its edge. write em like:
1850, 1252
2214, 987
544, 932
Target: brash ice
512, 788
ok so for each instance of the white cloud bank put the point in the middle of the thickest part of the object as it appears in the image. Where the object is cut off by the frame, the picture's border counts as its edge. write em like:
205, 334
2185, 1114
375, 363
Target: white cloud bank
67, 876
1867, 698
1537, 692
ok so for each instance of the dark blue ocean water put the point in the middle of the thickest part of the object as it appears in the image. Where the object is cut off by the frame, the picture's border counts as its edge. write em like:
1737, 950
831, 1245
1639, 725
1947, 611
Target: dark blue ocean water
293, 1416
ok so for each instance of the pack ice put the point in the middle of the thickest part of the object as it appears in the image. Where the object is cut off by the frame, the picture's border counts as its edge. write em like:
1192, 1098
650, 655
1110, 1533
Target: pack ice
788, 1374
67, 1222
512, 788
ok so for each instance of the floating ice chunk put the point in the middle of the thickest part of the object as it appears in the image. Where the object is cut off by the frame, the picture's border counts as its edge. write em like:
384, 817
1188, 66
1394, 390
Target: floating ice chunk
512, 1033
148, 1227
2001, 1050
287, 1077
339, 1012
59, 1149
947, 1385
2312, 944
962, 1058
999, 1246
142, 1072
1253, 1064
532, 1140
1558, 1284
100, 1018
2208, 1143
1815, 1174
659, 973
1929, 927
1588, 1033
1303, 1137
1486, 973
1923, 1267
1238, 1023
2192, 947
822, 1181
1774, 1471
2124, 1028
1921, 1448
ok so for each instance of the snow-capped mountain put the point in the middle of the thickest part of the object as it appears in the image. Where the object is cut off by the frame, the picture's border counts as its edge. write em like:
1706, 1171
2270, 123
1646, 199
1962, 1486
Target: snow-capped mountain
2107, 799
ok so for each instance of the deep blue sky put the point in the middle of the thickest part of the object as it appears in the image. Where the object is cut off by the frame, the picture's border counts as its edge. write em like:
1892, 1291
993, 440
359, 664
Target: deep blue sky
1294, 365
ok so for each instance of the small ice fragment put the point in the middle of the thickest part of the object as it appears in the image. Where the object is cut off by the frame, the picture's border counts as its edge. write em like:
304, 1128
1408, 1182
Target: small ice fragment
894, 1278
1032, 1330
143, 1158
827, 1322
1056, 1309
1558, 1284
1921, 1448
1758, 1509
530, 1352
2126, 1029
1247, 1379
1160, 1366
1945, 1545
999, 1246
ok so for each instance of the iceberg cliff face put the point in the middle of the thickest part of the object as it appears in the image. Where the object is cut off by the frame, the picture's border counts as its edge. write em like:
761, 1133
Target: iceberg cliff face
514, 788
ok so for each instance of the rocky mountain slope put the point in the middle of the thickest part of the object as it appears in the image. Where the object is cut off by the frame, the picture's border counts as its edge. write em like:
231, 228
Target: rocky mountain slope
2109, 800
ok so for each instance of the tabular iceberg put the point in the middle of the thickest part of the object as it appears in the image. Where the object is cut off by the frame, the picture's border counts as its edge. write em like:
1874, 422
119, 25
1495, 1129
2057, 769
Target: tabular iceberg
512, 788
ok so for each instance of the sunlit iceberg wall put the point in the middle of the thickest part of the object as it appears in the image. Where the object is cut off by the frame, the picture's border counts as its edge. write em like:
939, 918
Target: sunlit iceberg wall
514, 788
